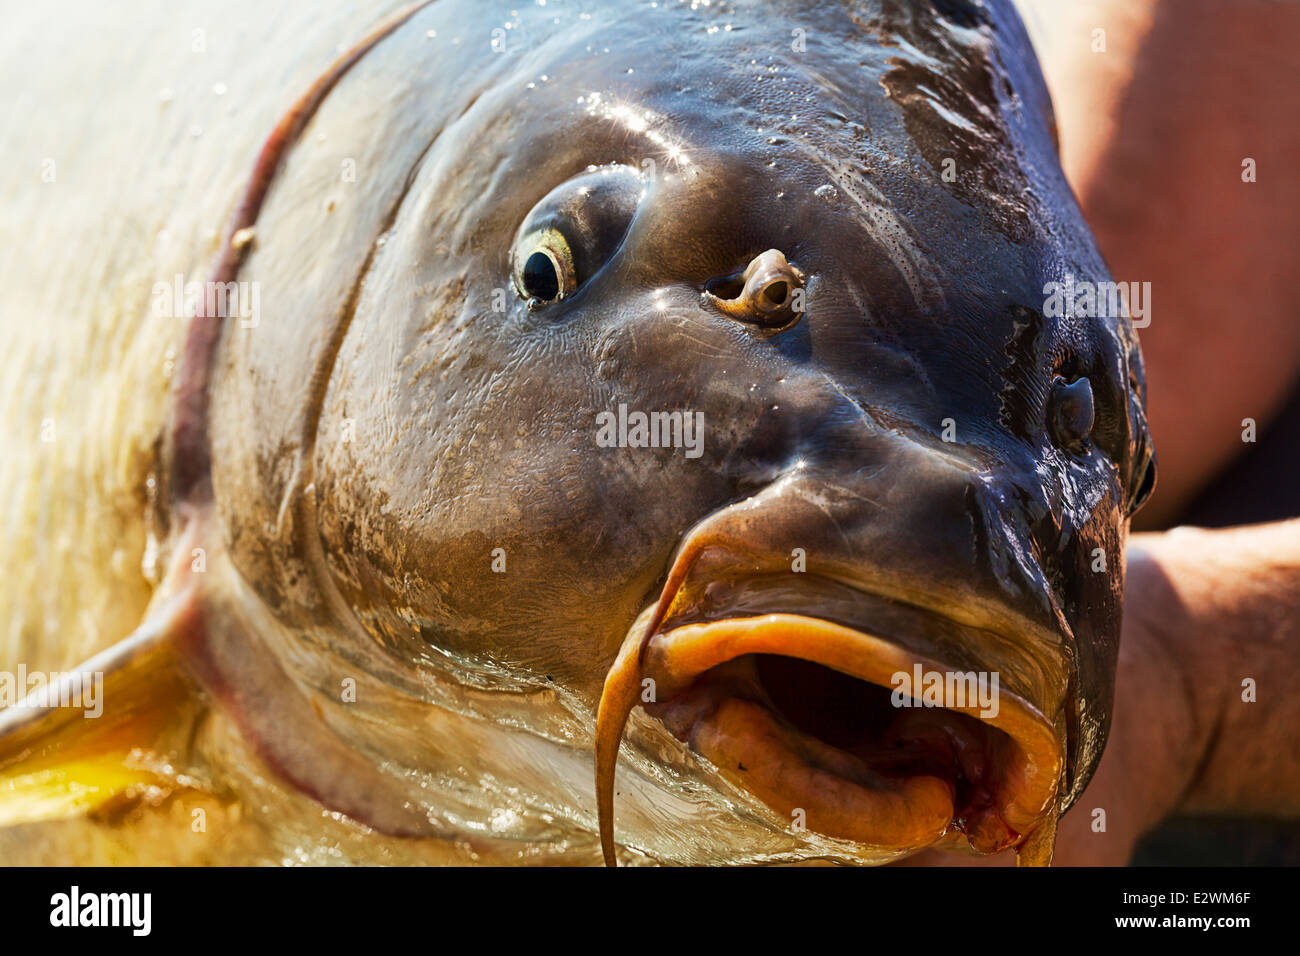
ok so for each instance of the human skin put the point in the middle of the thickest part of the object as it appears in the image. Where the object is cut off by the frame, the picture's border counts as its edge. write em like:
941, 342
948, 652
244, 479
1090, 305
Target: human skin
1205, 612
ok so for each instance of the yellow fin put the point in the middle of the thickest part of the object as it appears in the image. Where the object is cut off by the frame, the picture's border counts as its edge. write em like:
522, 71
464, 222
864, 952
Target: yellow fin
58, 761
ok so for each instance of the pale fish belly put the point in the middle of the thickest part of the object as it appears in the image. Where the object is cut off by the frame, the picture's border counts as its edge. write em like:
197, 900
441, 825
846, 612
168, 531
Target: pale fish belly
121, 180
109, 196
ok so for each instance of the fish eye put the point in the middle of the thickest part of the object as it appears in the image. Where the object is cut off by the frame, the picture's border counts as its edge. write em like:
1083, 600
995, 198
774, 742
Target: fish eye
570, 235
544, 269
1073, 412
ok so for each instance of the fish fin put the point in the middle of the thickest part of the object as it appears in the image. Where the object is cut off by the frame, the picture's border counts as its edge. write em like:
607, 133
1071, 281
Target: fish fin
208, 645
82, 744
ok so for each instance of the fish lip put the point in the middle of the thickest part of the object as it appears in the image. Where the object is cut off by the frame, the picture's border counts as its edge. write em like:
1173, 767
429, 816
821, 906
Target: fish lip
1034, 662
1030, 782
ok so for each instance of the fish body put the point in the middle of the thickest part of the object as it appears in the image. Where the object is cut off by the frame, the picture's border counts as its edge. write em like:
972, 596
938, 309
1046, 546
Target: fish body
669, 365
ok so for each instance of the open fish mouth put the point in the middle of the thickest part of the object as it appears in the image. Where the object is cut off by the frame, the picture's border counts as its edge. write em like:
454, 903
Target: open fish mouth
845, 733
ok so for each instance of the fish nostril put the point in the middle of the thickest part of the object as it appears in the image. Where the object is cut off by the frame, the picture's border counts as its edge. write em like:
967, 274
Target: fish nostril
764, 294
725, 287
1073, 412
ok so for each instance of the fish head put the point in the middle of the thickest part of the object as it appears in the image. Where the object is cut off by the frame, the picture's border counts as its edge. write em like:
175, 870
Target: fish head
710, 369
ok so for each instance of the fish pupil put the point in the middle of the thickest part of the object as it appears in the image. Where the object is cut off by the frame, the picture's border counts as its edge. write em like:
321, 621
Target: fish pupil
540, 277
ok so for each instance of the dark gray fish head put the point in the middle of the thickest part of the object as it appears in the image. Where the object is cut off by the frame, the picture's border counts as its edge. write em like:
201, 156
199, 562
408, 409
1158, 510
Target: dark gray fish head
708, 363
